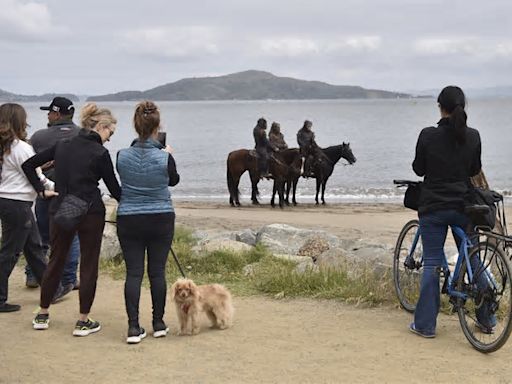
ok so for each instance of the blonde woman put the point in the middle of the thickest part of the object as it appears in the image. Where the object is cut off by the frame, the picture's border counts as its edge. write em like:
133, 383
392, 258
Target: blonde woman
80, 163
19, 229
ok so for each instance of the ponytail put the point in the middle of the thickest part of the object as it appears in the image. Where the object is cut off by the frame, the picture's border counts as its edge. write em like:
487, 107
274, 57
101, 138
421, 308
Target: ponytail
452, 100
458, 119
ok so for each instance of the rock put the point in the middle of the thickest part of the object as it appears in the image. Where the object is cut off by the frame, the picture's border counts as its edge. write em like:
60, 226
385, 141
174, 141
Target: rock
110, 247
306, 265
248, 270
335, 258
222, 244
374, 253
313, 247
285, 239
294, 258
247, 236
204, 237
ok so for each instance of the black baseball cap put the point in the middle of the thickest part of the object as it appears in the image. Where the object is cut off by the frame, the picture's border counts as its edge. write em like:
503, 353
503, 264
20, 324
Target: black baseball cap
60, 104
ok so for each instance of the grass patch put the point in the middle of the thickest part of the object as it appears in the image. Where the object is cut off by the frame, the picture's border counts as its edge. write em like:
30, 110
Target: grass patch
268, 275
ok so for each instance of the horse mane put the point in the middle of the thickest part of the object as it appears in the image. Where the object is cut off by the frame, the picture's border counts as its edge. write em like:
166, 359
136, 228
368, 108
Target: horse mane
333, 153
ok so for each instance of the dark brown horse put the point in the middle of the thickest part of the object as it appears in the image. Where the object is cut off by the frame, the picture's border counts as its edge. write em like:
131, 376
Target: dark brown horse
243, 160
291, 157
323, 168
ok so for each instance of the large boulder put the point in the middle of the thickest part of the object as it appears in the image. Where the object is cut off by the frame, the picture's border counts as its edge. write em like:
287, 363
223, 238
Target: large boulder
247, 236
110, 247
221, 245
285, 239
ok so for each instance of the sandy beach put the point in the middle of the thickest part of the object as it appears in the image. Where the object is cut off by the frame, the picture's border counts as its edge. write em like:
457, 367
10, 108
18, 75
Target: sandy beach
272, 341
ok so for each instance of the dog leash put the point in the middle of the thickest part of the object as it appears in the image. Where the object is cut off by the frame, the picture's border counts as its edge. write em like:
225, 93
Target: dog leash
172, 251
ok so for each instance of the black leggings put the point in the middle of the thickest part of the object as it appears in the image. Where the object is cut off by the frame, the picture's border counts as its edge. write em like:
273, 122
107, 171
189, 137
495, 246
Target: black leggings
138, 234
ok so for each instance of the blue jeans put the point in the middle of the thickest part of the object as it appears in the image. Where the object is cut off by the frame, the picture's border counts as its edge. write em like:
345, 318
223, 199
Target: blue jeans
43, 223
434, 227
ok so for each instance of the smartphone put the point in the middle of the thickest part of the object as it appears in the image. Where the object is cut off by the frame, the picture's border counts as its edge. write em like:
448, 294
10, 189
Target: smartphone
162, 136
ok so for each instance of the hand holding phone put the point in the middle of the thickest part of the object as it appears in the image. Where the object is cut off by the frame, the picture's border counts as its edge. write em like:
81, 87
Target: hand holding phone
162, 137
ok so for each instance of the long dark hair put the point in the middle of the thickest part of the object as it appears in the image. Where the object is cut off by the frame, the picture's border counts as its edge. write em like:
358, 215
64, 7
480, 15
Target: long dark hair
453, 101
13, 125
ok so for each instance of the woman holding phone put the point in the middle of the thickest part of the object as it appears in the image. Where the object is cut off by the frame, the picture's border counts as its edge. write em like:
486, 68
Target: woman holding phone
145, 216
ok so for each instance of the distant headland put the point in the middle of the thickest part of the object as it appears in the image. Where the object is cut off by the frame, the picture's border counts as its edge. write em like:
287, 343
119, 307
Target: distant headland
249, 85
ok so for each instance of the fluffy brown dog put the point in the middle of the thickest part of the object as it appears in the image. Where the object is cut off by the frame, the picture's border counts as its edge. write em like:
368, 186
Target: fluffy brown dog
190, 300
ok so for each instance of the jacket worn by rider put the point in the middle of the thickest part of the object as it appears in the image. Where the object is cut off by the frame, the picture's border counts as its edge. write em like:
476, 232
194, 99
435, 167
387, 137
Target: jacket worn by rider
306, 140
446, 166
276, 139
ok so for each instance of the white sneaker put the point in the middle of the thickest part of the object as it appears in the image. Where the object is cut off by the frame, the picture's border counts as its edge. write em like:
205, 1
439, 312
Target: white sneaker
135, 335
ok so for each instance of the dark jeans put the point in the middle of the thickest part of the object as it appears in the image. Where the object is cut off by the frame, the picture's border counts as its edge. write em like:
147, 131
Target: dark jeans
434, 228
263, 159
43, 223
138, 234
19, 234
90, 234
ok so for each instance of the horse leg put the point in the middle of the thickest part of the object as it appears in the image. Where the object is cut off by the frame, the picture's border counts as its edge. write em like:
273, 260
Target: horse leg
295, 181
318, 183
274, 189
280, 191
323, 191
254, 183
288, 186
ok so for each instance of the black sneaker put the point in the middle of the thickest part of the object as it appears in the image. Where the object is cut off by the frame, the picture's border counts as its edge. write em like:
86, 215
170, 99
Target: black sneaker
135, 335
41, 321
159, 329
31, 282
85, 328
9, 307
62, 291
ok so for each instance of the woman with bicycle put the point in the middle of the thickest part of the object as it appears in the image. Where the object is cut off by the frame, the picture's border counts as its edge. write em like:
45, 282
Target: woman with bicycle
447, 156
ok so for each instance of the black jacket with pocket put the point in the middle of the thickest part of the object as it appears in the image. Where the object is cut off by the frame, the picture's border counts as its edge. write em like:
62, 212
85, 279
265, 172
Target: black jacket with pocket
80, 163
446, 166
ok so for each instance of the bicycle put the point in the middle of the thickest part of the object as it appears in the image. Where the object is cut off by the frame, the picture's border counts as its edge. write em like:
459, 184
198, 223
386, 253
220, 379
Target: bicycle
478, 286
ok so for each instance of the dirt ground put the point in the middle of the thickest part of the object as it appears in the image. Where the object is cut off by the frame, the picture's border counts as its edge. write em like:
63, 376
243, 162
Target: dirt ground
272, 341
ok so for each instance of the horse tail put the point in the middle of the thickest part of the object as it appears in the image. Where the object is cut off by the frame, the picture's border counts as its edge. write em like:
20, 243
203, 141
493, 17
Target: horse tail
234, 192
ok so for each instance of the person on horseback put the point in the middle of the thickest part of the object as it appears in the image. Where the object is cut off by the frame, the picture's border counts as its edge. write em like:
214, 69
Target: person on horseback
276, 138
309, 149
263, 146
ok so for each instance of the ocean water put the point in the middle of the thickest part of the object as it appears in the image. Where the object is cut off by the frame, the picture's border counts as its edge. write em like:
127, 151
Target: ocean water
382, 135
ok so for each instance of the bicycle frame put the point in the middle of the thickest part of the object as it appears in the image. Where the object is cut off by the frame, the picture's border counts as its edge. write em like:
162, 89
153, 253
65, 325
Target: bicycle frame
465, 245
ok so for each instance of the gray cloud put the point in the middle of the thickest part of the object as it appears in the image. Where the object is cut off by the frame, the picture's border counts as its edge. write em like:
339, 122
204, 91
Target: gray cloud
106, 46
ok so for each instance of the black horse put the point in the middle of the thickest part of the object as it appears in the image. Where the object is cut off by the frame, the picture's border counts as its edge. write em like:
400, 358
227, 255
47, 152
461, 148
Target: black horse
323, 168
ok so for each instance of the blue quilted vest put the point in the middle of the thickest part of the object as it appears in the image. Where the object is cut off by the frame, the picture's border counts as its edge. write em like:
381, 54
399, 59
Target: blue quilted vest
144, 179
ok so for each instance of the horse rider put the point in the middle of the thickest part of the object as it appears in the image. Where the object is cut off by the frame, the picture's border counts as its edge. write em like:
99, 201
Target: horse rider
263, 147
309, 149
276, 138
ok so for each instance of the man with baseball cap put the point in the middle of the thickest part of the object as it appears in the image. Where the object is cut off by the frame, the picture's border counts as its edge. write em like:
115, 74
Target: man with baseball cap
60, 126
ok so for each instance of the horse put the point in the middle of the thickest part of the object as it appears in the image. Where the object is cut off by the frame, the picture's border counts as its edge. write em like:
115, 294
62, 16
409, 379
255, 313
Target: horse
323, 168
240, 161
291, 157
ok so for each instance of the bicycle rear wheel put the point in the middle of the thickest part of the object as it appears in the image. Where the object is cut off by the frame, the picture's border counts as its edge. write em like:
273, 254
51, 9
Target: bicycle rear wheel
407, 266
486, 314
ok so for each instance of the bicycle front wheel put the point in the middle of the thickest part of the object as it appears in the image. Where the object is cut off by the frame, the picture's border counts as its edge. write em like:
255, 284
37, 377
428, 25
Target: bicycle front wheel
407, 266
486, 314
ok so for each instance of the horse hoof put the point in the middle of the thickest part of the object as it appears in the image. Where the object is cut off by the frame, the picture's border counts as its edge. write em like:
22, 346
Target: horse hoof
294, 203
323, 202
238, 204
255, 202
316, 203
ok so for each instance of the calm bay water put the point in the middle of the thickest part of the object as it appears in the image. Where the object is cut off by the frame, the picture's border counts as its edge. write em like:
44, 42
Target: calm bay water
382, 134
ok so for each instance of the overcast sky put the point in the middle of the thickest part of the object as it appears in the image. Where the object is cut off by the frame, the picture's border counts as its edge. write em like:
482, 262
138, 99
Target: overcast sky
104, 46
